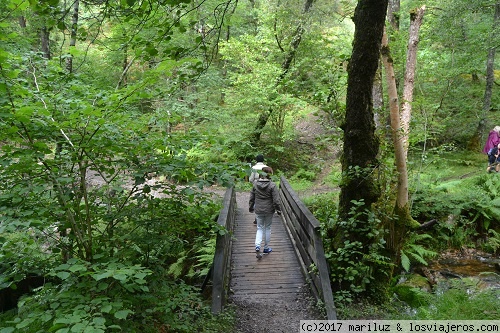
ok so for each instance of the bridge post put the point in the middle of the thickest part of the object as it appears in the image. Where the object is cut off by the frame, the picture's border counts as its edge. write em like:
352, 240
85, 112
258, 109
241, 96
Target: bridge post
222, 258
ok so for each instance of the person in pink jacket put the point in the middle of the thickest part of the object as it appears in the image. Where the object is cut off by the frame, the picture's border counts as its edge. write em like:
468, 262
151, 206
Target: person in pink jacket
493, 139
492, 143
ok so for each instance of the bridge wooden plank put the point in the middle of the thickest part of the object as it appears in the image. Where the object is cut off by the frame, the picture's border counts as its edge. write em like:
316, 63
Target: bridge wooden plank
277, 275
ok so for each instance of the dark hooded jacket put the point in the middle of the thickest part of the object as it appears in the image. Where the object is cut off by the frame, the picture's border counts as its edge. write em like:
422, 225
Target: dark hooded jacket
265, 197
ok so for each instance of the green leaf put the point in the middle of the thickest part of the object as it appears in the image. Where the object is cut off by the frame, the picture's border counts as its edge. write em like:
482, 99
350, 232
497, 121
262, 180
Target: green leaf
7, 330
99, 321
78, 327
151, 50
122, 314
405, 261
121, 277
76, 268
101, 276
107, 308
63, 275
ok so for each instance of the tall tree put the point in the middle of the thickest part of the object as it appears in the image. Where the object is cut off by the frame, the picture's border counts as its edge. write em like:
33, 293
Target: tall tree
359, 159
400, 124
490, 79
72, 42
287, 63
356, 237
416, 17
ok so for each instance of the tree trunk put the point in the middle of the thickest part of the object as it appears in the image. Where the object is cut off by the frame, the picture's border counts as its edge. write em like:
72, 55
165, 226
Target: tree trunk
22, 22
361, 146
378, 98
45, 42
416, 18
398, 228
490, 77
397, 131
72, 42
294, 45
476, 141
393, 13
359, 190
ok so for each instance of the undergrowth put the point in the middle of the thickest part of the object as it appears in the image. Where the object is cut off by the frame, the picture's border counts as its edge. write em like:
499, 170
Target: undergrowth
453, 189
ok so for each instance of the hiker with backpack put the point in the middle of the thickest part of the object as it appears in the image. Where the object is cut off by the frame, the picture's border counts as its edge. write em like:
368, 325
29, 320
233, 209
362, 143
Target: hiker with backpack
254, 175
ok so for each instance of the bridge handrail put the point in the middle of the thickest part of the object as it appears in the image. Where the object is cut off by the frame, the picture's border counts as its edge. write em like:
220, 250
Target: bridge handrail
222, 259
305, 230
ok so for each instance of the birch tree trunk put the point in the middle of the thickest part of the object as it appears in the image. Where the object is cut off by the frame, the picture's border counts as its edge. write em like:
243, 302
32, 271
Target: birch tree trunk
72, 42
397, 131
416, 18
400, 122
398, 228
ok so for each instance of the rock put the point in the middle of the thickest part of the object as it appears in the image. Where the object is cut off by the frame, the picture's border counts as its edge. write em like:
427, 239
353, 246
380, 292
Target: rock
414, 290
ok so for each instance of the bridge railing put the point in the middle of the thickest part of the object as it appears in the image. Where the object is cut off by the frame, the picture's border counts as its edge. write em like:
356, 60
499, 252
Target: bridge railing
305, 231
221, 268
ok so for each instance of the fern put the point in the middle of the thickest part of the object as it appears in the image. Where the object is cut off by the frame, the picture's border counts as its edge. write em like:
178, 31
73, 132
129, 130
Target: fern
204, 258
494, 241
413, 252
176, 269
405, 261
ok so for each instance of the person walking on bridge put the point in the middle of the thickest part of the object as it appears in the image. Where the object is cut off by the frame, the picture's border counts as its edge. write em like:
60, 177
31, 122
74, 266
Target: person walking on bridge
264, 201
254, 175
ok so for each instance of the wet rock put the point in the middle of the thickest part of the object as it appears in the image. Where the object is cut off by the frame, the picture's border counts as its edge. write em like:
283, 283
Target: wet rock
414, 290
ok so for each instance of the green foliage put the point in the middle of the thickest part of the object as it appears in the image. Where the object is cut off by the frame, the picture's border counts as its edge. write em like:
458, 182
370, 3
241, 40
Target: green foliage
355, 265
22, 254
462, 301
467, 208
414, 290
304, 175
112, 295
492, 243
414, 252
83, 296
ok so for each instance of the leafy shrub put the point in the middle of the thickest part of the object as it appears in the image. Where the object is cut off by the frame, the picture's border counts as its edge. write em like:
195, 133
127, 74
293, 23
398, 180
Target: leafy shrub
355, 265
304, 175
113, 296
22, 255
466, 209
492, 243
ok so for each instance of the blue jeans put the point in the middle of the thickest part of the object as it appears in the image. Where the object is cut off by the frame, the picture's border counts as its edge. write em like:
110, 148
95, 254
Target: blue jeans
264, 222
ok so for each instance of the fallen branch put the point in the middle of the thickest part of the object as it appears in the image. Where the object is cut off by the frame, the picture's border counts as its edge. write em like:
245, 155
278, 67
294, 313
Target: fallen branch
427, 225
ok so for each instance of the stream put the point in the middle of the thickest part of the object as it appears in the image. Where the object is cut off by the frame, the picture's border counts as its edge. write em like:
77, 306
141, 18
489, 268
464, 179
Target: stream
485, 269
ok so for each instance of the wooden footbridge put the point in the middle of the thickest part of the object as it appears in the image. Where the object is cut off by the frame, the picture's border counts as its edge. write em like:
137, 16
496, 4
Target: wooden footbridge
297, 255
